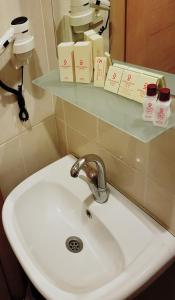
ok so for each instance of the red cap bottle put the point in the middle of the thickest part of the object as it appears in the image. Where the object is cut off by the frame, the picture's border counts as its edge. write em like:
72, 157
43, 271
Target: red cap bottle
164, 94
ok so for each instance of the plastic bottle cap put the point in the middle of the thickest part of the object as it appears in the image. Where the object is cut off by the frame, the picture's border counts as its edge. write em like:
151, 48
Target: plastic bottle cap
151, 89
164, 94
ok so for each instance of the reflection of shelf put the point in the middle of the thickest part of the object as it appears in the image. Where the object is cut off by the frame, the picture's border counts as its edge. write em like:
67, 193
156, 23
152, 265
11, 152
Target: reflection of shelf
118, 111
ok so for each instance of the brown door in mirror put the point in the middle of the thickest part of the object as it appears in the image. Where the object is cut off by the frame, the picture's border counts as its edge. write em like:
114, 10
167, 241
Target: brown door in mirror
150, 34
147, 39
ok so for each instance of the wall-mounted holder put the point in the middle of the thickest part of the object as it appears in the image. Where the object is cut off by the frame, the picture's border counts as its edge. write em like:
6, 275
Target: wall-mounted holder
23, 113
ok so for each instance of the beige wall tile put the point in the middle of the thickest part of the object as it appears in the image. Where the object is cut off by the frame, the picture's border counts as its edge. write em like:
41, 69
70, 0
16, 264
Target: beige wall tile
83, 122
124, 178
161, 161
161, 203
59, 109
11, 158
121, 145
40, 146
62, 138
8, 119
80, 145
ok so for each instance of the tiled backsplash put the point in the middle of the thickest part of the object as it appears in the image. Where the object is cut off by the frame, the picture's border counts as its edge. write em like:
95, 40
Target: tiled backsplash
143, 172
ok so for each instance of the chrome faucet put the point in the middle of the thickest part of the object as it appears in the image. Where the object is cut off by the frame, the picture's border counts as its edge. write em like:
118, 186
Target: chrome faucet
96, 179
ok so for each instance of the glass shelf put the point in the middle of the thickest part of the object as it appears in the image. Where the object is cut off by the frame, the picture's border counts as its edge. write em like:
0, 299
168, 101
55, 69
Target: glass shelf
116, 110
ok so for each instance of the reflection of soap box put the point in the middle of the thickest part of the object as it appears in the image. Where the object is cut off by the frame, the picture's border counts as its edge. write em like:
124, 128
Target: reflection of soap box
97, 45
113, 79
100, 71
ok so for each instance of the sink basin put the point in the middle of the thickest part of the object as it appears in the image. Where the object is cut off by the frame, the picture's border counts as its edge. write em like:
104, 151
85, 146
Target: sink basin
74, 248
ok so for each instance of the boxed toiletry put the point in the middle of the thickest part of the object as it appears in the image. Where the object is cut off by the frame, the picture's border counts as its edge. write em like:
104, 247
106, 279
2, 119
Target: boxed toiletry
134, 82
113, 80
128, 84
109, 59
97, 45
100, 71
66, 61
83, 62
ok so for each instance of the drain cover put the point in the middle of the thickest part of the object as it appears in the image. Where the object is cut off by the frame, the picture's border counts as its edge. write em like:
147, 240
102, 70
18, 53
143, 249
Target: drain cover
74, 244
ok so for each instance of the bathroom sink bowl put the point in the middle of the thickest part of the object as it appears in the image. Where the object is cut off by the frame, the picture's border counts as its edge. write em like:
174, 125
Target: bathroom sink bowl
74, 248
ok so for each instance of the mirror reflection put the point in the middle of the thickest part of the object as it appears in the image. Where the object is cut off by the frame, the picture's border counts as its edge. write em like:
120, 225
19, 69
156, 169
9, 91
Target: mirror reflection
142, 33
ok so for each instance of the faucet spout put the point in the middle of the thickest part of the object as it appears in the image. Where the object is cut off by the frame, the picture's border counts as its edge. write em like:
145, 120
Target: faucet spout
97, 183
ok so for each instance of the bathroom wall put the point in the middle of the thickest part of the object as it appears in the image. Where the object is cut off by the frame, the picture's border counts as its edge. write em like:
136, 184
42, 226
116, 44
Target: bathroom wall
143, 172
27, 147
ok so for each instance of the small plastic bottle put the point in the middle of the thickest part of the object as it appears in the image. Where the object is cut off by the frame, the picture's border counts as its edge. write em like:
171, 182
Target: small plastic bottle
162, 108
149, 102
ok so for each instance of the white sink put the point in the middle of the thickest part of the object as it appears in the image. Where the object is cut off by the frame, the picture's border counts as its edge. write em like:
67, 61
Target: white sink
123, 248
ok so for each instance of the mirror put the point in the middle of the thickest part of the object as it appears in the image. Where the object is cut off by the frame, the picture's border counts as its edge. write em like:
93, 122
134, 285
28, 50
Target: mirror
142, 33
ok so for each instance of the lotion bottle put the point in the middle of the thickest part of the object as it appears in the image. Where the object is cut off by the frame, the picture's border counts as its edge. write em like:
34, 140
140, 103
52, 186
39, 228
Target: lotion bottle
149, 102
162, 108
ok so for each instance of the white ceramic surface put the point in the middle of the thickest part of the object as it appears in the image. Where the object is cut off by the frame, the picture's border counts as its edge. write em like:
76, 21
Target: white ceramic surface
123, 247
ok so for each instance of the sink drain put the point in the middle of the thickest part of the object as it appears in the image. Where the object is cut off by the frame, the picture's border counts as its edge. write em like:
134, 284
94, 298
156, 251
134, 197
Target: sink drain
74, 244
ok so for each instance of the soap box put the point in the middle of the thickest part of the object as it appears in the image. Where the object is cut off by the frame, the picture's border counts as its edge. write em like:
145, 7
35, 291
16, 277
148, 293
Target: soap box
97, 45
66, 61
100, 71
83, 62
129, 84
113, 79
134, 82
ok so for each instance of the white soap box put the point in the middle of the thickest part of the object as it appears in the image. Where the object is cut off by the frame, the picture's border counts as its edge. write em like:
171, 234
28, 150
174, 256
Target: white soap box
83, 62
66, 61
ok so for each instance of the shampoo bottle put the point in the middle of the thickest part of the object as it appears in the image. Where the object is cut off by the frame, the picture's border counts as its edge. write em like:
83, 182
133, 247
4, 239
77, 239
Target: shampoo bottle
162, 108
149, 102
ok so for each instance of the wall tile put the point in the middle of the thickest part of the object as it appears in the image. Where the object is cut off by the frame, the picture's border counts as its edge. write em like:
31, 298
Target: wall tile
121, 145
62, 138
161, 162
128, 180
11, 158
8, 119
39, 145
59, 109
80, 120
80, 145
161, 203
